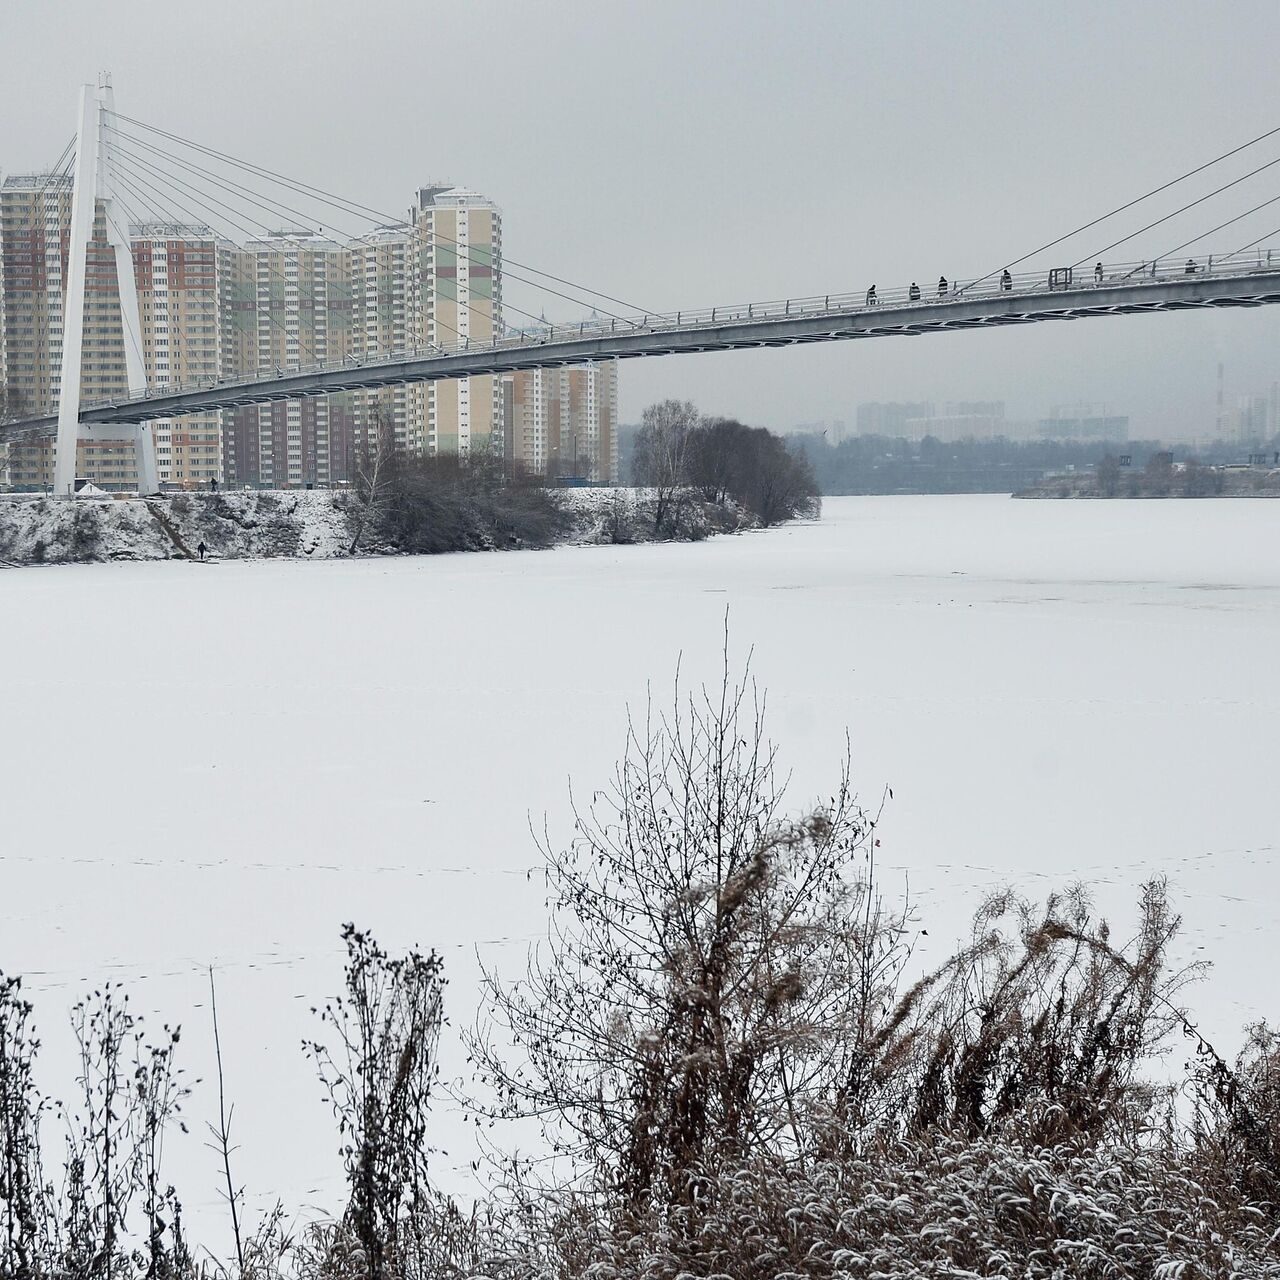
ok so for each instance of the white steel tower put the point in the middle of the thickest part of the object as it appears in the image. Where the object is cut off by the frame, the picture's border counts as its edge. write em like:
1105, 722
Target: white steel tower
94, 184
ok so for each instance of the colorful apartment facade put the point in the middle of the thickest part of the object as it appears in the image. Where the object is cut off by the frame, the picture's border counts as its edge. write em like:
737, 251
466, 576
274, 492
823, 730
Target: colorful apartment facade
176, 268
384, 320
562, 423
210, 308
35, 233
456, 293
287, 299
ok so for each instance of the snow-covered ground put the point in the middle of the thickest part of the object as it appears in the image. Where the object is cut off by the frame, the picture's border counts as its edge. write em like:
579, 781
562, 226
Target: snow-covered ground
220, 764
297, 523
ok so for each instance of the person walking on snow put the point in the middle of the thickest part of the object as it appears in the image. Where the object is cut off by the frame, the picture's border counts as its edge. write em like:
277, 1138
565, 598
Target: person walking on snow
202, 549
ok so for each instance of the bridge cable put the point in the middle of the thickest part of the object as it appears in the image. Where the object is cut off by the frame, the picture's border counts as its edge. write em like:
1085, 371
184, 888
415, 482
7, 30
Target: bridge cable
1252, 243
229, 215
199, 222
271, 206
137, 161
353, 206
258, 309
60, 171
505, 272
209, 306
1155, 191
1238, 218
1216, 192
61, 167
338, 201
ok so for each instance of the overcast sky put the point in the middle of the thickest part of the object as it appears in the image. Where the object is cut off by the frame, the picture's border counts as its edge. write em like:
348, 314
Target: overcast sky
681, 153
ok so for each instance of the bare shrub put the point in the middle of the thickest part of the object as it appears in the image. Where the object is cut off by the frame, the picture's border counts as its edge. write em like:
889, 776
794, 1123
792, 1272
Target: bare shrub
947, 1207
449, 503
378, 1066
86, 531
26, 1201
130, 1090
1046, 1024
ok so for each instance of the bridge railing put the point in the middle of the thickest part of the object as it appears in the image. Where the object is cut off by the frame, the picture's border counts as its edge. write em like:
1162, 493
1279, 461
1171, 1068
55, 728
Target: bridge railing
1038, 282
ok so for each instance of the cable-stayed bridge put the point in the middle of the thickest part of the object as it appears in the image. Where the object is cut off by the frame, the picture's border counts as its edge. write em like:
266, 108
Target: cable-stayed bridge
130, 172
1123, 289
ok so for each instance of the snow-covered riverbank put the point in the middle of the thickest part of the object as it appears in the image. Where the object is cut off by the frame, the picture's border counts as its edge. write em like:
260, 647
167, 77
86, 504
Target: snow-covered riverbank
307, 524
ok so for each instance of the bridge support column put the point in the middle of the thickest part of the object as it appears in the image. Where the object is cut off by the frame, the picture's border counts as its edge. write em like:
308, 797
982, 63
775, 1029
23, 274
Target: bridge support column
93, 184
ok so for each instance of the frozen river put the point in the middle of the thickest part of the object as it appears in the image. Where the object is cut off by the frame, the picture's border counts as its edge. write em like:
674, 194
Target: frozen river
222, 764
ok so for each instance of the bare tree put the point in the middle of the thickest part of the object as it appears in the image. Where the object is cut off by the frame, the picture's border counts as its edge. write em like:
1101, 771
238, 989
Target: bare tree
775, 482
376, 463
713, 464
1108, 475
221, 1132
707, 953
661, 455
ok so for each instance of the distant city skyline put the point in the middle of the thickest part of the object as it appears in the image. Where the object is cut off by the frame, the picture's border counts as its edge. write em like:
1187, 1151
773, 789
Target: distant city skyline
1244, 414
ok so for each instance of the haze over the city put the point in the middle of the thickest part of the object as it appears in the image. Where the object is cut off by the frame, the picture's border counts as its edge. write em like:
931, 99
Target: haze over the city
665, 154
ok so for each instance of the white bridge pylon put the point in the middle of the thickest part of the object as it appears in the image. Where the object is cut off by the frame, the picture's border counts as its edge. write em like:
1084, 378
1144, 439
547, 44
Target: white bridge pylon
94, 186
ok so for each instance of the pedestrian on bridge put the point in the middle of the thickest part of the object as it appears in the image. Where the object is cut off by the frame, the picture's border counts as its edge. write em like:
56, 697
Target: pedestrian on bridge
1097, 274
1190, 267
942, 286
914, 292
871, 296
1006, 281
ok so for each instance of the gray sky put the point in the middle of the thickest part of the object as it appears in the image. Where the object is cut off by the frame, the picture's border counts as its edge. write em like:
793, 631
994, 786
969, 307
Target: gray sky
697, 152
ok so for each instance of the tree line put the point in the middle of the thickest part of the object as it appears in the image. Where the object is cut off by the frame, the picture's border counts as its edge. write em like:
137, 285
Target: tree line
873, 464
679, 454
738, 1064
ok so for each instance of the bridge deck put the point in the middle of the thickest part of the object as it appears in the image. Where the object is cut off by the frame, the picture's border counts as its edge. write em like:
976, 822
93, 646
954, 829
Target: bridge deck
776, 324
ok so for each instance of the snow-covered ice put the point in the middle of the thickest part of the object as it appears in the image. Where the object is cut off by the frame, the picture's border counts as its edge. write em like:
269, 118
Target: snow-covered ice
220, 764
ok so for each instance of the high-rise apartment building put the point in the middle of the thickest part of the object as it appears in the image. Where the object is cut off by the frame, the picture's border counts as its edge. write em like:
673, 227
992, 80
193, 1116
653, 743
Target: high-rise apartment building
563, 422
384, 320
35, 234
209, 308
288, 299
457, 295
176, 266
